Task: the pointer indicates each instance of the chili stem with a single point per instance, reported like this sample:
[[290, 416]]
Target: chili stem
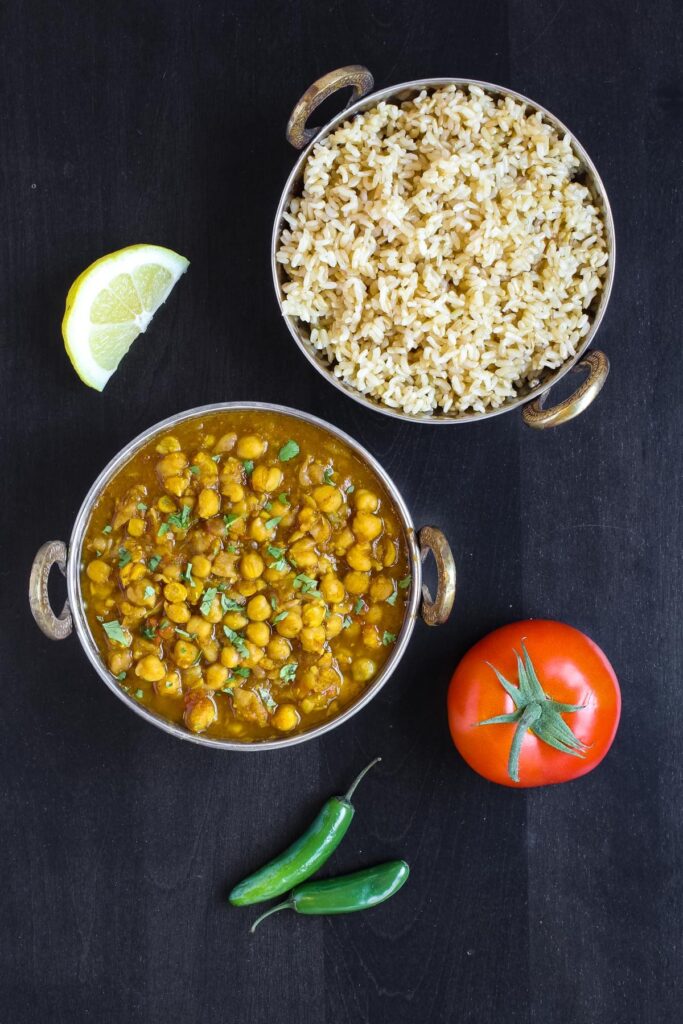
[[287, 905], [352, 788]]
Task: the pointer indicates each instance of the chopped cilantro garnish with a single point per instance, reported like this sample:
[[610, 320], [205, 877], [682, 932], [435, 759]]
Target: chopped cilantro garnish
[[148, 632], [288, 672], [346, 621], [124, 557], [114, 631], [327, 475], [283, 498], [163, 530], [266, 697], [242, 671], [229, 690], [272, 523], [154, 562], [248, 466], [275, 552], [168, 684], [231, 518], [237, 641], [106, 529], [273, 602], [183, 632], [139, 694], [228, 605], [232, 548], [281, 565], [195, 470], [268, 506], [289, 450], [141, 507], [180, 519], [280, 616], [216, 458], [305, 584], [388, 638], [187, 575], [358, 606], [405, 582], [350, 489], [149, 592], [121, 676], [207, 600], [392, 597]]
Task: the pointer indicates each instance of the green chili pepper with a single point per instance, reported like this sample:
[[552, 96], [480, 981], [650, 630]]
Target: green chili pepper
[[303, 857], [343, 895]]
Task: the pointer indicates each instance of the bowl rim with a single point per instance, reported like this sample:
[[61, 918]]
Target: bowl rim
[[317, 360], [77, 603]]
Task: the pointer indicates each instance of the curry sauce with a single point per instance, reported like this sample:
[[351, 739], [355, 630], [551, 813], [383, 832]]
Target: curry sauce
[[245, 574]]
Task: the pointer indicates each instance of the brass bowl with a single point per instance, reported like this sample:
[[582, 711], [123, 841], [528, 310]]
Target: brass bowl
[[360, 80], [57, 627]]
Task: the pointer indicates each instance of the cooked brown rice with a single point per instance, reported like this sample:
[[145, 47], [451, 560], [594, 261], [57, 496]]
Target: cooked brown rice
[[442, 252]]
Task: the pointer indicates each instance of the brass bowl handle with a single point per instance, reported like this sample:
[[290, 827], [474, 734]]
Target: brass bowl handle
[[354, 75], [534, 415], [56, 627], [435, 612]]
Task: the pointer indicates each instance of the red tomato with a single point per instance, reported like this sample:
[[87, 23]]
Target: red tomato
[[545, 733]]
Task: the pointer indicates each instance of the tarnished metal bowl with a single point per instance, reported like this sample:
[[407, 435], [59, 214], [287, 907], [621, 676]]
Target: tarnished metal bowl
[[360, 80], [72, 617]]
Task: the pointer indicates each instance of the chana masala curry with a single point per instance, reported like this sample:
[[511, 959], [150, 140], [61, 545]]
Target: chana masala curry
[[245, 574]]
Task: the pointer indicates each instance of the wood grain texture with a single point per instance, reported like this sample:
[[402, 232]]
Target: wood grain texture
[[164, 121]]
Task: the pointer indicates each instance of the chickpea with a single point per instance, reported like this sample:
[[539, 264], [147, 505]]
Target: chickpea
[[136, 527], [251, 565], [332, 589], [250, 447], [257, 530], [171, 465], [216, 676], [313, 614], [208, 503], [169, 686], [381, 588], [374, 615], [321, 531], [177, 484], [279, 648], [313, 638], [208, 470], [192, 677], [235, 620], [168, 444], [304, 554], [343, 541], [225, 443], [223, 564], [142, 593], [327, 498], [232, 490], [247, 588], [201, 566], [290, 626], [266, 478], [120, 661], [366, 526], [199, 626], [363, 669], [215, 612], [165, 504], [258, 633], [371, 637], [98, 571], [366, 501], [285, 718], [178, 613], [254, 656], [229, 657], [360, 557], [334, 625], [258, 609], [357, 582], [132, 572], [101, 589], [200, 715], [150, 668], [175, 592], [185, 653]]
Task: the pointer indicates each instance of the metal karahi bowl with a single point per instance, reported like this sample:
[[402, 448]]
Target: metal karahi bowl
[[361, 81], [72, 617]]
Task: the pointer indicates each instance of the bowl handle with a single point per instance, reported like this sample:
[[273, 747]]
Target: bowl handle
[[534, 415], [437, 611], [353, 75], [56, 627]]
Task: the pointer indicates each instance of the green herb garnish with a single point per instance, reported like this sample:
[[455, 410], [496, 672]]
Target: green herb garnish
[[359, 606], [272, 523], [327, 475], [248, 466], [281, 565], [180, 519], [163, 530], [237, 641], [114, 631], [216, 458], [275, 552], [388, 638], [242, 671], [121, 676], [392, 597], [231, 518], [268, 506], [232, 548], [187, 575], [289, 450], [273, 602], [306, 584], [106, 529], [183, 632], [141, 507], [405, 582], [207, 600], [350, 489], [280, 616], [148, 632], [124, 557], [283, 498], [347, 621], [154, 562], [266, 697], [228, 605], [195, 470], [229, 690], [139, 694], [149, 592], [288, 672]]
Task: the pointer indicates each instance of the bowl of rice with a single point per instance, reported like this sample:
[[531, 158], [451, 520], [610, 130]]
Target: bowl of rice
[[443, 250]]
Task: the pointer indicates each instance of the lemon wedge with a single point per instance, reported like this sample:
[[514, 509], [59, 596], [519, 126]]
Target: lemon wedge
[[112, 302]]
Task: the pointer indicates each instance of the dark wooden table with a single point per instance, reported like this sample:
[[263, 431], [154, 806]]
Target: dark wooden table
[[164, 122]]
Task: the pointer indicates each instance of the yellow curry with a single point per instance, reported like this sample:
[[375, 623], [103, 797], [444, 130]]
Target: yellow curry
[[246, 575]]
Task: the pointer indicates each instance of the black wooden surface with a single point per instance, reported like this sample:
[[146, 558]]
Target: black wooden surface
[[164, 122]]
